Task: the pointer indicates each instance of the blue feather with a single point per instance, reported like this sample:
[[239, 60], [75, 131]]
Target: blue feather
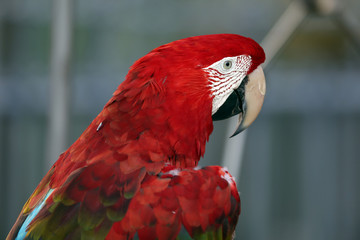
[[23, 230]]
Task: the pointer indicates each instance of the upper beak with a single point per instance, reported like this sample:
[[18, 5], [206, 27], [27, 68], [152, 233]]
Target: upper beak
[[246, 101]]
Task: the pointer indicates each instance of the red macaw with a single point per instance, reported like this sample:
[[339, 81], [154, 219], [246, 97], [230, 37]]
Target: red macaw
[[133, 173]]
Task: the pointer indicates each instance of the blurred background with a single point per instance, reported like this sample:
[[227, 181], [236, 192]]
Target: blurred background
[[297, 166]]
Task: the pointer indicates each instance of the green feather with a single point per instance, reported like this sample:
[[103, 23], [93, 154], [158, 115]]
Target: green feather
[[89, 220], [115, 215], [183, 235]]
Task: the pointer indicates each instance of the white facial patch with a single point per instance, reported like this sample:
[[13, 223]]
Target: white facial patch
[[225, 76]]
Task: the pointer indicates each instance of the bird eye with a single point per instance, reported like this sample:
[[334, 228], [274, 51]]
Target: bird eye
[[227, 64]]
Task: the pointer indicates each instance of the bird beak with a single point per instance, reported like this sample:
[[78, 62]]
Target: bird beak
[[255, 90], [246, 101]]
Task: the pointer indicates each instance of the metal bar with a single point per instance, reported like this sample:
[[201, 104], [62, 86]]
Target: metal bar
[[283, 29], [59, 79], [3, 8], [349, 23], [273, 42]]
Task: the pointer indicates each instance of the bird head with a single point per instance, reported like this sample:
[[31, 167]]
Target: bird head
[[224, 67], [237, 82]]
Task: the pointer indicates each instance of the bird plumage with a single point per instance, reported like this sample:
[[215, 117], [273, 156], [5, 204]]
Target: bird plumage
[[133, 172]]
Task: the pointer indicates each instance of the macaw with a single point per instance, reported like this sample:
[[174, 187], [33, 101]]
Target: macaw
[[133, 173]]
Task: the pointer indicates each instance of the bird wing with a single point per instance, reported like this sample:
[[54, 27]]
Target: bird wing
[[182, 204]]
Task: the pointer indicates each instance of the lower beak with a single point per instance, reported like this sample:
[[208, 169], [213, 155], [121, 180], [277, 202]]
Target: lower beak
[[246, 101]]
